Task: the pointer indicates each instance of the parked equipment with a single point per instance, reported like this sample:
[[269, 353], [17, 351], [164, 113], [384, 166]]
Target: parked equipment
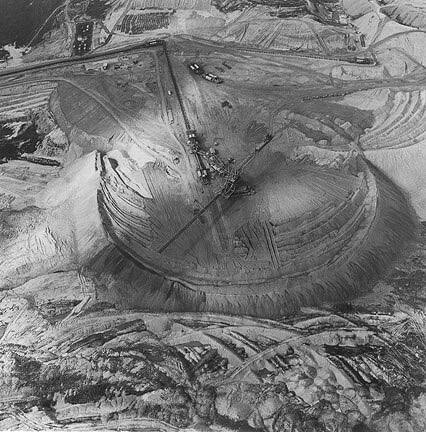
[[213, 78], [198, 70], [194, 146], [364, 60]]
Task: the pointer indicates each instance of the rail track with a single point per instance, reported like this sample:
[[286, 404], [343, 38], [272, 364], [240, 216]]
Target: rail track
[[143, 45], [52, 64], [349, 58]]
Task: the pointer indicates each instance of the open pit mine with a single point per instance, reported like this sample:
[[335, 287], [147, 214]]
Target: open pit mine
[[212, 217]]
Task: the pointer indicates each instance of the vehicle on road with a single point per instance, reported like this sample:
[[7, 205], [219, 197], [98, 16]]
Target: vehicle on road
[[364, 60], [198, 70], [155, 42]]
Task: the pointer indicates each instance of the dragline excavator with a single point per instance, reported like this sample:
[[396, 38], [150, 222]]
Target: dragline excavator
[[232, 186]]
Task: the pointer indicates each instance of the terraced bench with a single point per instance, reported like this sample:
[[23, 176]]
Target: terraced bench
[[296, 228], [405, 124], [329, 232], [323, 224]]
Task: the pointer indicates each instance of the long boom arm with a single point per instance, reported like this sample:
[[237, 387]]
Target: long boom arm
[[189, 223], [223, 192]]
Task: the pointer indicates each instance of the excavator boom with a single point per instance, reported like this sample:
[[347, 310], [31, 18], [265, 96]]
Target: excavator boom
[[226, 192]]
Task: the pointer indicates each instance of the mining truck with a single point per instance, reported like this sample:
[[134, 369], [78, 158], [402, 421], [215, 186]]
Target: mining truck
[[212, 78], [155, 42], [196, 68], [364, 60]]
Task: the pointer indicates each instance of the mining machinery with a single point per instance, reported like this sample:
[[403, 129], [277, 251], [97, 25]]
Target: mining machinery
[[198, 70], [209, 163], [232, 186], [213, 78], [194, 147], [364, 60]]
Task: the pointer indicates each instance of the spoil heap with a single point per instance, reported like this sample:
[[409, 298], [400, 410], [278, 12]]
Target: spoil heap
[[327, 238]]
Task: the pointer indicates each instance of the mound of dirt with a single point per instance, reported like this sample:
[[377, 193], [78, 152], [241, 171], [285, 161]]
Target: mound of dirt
[[58, 233], [257, 255]]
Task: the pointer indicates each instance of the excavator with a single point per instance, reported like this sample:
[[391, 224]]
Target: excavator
[[232, 186]]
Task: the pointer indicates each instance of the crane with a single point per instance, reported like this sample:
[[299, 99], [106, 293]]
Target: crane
[[226, 191]]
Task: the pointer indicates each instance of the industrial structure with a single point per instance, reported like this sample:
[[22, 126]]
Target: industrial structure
[[83, 37], [231, 186]]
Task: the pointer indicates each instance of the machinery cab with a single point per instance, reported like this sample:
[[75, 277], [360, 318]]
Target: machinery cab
[[192, 139], [190, 133], [203, 175], [363, 60]]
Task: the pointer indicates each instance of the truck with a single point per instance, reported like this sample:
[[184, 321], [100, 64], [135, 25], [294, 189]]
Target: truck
[[196, 68], [155, 42], [364, 60], [203, 175], [212, 78]]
